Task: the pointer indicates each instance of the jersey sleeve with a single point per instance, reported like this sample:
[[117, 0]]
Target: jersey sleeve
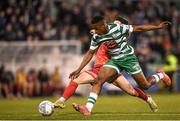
[[93, 44], [124, 29]]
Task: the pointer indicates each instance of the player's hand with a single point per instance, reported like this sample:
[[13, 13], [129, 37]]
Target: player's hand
[[164, 24], [74, 74]]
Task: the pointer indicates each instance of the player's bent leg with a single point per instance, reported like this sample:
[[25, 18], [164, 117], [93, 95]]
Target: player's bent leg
[[123, 84], [141, 80], [146, 83], [83, 78], [104, 74]]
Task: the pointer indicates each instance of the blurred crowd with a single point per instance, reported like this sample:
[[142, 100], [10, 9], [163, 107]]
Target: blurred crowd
[[39, 20], [31, 83], [36, 20]]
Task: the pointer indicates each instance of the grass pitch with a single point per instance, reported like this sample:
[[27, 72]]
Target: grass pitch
[[106, 108]]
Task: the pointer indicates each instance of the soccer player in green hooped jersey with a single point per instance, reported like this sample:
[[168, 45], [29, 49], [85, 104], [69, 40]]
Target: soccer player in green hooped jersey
[[122, 57]]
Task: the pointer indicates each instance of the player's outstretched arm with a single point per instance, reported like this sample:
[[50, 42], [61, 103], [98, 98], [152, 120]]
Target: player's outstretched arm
[[141, 28], [87, 57]]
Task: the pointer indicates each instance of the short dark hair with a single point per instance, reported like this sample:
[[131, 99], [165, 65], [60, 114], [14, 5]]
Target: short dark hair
[[121, 19], [97, 19]]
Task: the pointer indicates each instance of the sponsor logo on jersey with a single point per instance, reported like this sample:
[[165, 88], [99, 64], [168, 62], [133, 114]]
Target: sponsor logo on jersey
[[110, 44]]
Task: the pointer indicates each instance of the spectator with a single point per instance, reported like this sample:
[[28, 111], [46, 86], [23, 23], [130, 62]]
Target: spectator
[[43, 77], [6, 82], [11, 79], [3, 81], [31, 82], [170, 66], [9, 34], [21, 82], [56, 82]]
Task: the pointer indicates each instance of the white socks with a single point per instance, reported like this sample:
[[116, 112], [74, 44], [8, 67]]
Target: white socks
[[91, 101], [158, 77], [149, 99], [62, 99]]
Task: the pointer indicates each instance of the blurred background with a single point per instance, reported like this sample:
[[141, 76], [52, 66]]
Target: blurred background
[[42, 41]]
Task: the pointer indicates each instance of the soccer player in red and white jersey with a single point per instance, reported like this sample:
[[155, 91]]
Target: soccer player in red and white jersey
[[88, 77]]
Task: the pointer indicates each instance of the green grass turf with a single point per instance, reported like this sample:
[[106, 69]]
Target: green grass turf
[[107, 107]]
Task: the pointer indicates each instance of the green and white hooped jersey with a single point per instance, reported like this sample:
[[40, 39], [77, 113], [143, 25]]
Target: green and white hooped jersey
[[116, 40]]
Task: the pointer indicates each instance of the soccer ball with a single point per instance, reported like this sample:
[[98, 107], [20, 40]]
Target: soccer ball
[[46, 108]]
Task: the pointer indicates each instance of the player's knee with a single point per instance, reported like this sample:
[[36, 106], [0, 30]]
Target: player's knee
[[96, 82], [100, 80]]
